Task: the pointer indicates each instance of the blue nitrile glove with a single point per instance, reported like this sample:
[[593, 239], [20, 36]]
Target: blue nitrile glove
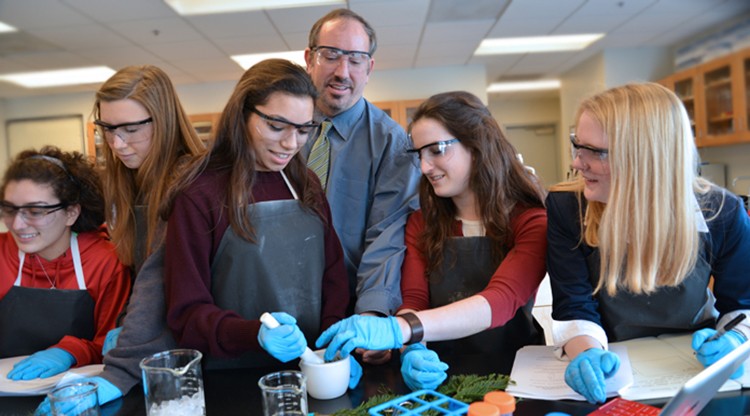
[[110, 341], [355, 372], [587, 372], [709, 352], [42, 364], [105, 393], [286, 342], [357, 331], [422, 368]]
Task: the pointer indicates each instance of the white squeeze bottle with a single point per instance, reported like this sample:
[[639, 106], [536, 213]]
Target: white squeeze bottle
[[268, 320]]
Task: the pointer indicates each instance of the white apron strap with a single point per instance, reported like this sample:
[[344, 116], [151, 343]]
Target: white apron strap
[[76, 263]]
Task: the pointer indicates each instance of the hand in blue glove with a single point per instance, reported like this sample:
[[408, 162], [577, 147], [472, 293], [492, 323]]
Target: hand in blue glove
[[587, 372], [285, 342], [105, 393], [42, 364], [110, 341], [422, 368], [708, 352], [369, 332], [355, 372]]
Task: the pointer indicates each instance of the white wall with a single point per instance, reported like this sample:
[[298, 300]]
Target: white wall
[[583, 80], [737, 159], [608, 69], [423, 82], [626, 65], [520, 112]]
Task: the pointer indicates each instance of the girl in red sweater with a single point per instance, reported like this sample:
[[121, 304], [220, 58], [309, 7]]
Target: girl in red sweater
[[475, 251], [62, 285]]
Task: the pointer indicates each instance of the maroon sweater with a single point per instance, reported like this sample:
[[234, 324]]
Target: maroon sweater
[[195, 229]]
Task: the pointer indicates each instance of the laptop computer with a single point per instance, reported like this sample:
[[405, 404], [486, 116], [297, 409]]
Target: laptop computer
[[699, 390]]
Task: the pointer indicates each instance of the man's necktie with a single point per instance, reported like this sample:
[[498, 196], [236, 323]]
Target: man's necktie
[[321, 154]]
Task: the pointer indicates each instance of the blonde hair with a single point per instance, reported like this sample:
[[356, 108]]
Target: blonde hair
[[646, 232]]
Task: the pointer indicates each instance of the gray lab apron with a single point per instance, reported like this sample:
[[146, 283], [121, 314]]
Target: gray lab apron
[[282, 272], [33, 319], [467, 269], [683, 308]]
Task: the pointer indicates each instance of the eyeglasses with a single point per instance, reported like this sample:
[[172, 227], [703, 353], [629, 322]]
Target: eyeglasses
[[31, 214], [127, 132], [586, 152], [432, 151], [278, 125], [328, 55]]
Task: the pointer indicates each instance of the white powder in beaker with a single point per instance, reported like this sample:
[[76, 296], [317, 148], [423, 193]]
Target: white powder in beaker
[[193, 405]]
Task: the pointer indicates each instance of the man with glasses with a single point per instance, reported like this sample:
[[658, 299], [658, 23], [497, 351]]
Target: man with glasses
[[369, 178]]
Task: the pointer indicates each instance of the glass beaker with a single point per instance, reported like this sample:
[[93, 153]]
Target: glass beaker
[[74, 399], [284, 393], [173, 383]]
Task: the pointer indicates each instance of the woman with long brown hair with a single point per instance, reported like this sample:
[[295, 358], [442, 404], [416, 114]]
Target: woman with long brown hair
[[250, 230], [474, 251]]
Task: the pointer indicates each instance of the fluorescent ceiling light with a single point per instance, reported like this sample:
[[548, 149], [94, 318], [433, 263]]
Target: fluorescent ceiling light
[[7, 28], [499, 46], [188, 7], [548, 84], [246, 61], [75, 76]]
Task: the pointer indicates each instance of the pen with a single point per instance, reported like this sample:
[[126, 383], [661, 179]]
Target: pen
[[726, 328]]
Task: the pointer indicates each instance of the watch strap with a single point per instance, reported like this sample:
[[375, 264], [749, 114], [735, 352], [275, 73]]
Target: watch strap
[[417, 330]]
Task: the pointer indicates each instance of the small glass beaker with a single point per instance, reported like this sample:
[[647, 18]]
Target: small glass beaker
[[74, 399], [284, 393], [173, 383]]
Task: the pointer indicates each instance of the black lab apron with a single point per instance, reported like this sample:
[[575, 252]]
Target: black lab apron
[[683, 308], [467, 268], [33, 319], [281, 272]]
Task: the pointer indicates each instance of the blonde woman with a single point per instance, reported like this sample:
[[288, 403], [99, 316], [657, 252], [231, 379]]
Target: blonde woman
[[634, 239]]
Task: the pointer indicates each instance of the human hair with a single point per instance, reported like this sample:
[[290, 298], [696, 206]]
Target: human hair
[[646, 232], [173, 142], [232, 148], [497, 178], [72, 177], [342, 14]]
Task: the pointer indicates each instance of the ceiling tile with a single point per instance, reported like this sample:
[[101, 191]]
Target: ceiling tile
[[251, 44], [388, 13], [298, 19], [82, 37], [455, 52], [120, 10], [154, 31], [122, 57], [470, 31], [186, 50], [117, 33], [27, 14], [233, 25], [511, 28], [541, 9], [396, 35], [54, 60]]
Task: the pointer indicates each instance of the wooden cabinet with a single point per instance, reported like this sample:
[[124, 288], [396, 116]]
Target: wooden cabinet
[[716, 95], [204, 125], [400, 111]]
